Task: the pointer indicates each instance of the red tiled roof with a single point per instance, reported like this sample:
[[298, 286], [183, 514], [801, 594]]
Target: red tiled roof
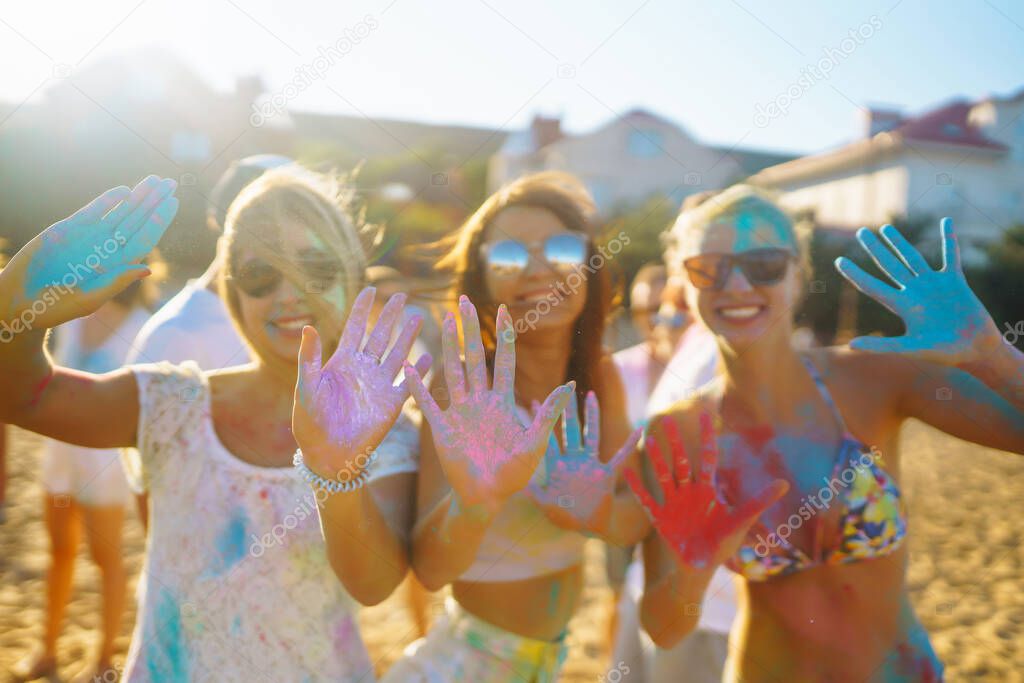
[[946, 125]]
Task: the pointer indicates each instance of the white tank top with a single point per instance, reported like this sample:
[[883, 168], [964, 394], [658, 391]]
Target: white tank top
[[522, 542]]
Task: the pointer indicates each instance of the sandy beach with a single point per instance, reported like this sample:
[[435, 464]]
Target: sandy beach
[[966, 573]]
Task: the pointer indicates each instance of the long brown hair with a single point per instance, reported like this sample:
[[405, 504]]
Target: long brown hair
[[565, 197]]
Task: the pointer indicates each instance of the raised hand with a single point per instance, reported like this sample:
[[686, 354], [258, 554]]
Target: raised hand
[[486, 453], [696, 524], [74, 266], [945, 322], [577, 490], [343, 410]]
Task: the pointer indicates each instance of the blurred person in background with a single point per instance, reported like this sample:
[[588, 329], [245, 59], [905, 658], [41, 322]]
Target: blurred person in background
[[194, 324], [85, 488], [691, 365], [640, 367]]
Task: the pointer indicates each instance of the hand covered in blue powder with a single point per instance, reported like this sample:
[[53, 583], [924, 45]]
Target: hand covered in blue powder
[[74, 266], [945, 322], [577, 488]]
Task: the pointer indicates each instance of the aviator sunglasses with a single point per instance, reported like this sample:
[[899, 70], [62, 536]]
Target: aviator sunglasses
[[759, 266], [257, 278], [563, 251]]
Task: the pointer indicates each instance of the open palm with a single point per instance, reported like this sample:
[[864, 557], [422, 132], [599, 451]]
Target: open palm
[[945, 322], [696, 524], [343, 409], [75, 265], [485, 451], [577, 490]]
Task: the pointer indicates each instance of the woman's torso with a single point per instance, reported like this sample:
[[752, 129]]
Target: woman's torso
[[236, 579], [837, 618], [527, 576]]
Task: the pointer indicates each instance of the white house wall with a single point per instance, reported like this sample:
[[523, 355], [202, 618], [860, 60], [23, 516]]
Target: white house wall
[[851, 197], [628, 161]]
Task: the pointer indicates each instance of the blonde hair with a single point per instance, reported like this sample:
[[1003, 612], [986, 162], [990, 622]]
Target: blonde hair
[[289, 196], [706, 208]]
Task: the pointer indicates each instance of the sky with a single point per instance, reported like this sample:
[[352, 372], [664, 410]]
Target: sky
[[775, 75]]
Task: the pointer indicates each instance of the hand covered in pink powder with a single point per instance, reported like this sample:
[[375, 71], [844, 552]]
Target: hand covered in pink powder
[[486, 453], [578, 488], [701, 529], [343, 409]]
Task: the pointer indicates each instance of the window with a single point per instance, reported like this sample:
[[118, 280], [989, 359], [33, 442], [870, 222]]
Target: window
[[645, 144]]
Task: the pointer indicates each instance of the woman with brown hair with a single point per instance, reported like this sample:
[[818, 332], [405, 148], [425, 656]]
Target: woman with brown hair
[[500, 517]]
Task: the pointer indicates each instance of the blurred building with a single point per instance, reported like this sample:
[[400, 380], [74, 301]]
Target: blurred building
[[626, 161], [961, 159]]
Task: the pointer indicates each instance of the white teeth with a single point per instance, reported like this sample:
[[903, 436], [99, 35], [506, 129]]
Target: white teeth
[[740, 312], [294, 324]]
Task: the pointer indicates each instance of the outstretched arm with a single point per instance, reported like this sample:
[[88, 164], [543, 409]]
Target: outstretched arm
[[960, 376], [68, 271], [697, 531]]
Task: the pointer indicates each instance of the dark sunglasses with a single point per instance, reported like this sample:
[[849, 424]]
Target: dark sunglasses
[[257, 278], [511, 257], [759, 266]]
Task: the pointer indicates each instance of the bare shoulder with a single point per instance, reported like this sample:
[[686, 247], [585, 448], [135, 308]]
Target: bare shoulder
[[229, 386], [610, 379]]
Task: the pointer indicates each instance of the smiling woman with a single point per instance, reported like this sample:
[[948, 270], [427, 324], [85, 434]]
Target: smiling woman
[[218, 599], [829, 600], [502, 515]]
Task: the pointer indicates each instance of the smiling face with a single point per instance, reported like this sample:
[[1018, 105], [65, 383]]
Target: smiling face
[[743, 312], [277, 305], [542, 294], [292, 258]]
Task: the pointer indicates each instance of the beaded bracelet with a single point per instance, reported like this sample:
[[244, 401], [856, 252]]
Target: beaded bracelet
[[332, 485]]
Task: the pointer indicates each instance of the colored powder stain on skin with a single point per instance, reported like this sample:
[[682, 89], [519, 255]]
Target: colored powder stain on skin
[[166, 654], [236, 626], [556, 589]]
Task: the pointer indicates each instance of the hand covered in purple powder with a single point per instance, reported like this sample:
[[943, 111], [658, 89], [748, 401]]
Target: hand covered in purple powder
[[343, 409]]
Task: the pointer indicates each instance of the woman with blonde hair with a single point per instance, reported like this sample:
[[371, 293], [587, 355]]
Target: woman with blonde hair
[[787, 468], [238, 582], [502, 511]]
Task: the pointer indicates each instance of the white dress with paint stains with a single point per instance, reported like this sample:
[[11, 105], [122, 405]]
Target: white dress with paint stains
[[236, 584]]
